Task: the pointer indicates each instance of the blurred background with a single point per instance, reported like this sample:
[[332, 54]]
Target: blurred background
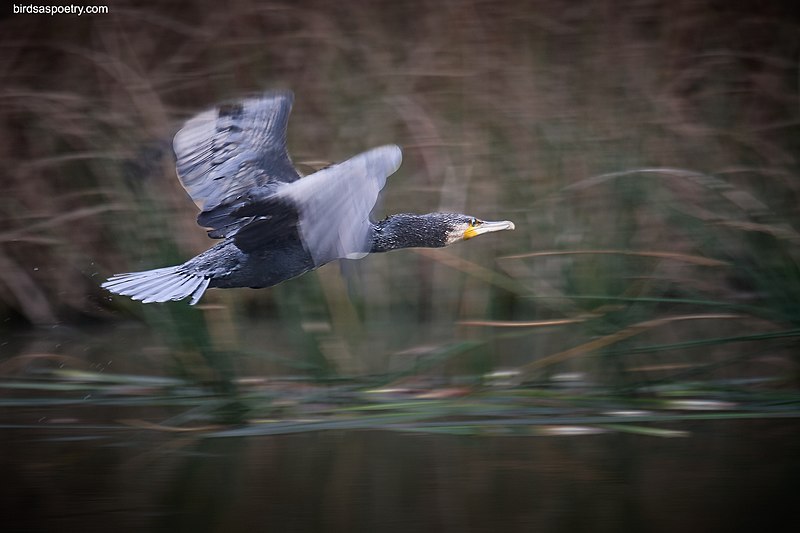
[[647, 152]]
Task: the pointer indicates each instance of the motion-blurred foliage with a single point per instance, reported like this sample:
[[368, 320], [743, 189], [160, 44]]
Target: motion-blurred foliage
[[649, 148]]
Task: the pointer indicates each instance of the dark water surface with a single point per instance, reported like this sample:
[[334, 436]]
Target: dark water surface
[[725, 476]]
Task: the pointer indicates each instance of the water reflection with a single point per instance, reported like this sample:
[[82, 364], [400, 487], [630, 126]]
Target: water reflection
[[732, 476]]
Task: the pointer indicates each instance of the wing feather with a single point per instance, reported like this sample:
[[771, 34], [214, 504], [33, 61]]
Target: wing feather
[[231, 151], [334, 204]]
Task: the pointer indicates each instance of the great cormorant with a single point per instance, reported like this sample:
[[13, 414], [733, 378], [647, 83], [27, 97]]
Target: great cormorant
[[274, 226]]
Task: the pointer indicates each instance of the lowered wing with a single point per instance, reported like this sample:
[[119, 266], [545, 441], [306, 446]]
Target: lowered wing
[[330, 209]]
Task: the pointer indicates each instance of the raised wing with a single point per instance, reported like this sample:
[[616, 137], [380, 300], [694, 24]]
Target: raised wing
[[334, 204], [233, 151]]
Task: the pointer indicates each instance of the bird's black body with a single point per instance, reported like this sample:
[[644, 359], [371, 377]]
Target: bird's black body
[[228, 266], [233, 162]]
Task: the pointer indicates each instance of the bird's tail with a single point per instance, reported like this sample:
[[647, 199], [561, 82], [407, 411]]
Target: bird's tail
[[159, 285]]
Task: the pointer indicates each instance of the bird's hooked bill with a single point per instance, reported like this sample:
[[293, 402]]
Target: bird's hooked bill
[[479, 227]]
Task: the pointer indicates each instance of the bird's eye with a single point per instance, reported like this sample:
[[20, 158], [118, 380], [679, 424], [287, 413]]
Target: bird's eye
[[474, 222]]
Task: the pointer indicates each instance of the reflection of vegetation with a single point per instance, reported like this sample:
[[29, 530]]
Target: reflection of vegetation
[[577, 124], [500, 407]]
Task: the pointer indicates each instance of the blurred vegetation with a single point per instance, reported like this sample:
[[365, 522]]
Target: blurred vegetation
[[647, 152]]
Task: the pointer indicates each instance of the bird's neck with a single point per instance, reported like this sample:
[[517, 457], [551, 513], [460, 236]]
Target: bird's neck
[[405, 231]]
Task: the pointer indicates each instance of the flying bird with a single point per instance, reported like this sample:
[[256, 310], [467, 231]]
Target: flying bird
[[274, 225]]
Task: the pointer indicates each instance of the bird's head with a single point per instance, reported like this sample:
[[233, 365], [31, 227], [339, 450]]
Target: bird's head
[[462, 227], [433, 230]]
